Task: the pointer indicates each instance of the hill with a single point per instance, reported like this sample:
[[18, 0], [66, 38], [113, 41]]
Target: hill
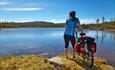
[[106, 25], [29, 24]]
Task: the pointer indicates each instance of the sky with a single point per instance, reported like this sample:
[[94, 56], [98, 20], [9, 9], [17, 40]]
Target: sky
[[56, 10]]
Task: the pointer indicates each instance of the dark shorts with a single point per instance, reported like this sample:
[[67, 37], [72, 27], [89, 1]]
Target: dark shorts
[[68, 38]]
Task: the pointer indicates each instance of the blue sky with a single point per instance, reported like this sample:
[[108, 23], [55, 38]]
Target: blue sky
[[55, 10]]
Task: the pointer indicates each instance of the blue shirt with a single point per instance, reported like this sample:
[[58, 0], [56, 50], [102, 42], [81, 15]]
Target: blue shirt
[[70, 26]]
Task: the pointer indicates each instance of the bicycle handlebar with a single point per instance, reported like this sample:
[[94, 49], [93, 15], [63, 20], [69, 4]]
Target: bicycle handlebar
[[82, 34]]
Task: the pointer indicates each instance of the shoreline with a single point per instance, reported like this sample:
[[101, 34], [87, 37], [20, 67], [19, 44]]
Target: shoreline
[[58, 62], [111, 30]]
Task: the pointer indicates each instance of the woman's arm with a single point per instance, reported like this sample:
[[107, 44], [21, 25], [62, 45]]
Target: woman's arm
[[79, 26]]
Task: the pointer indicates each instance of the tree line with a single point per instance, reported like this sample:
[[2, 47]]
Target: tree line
[[99, 25]]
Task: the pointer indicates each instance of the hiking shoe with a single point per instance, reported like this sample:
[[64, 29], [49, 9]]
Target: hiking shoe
[[66, 57], [73, 57]]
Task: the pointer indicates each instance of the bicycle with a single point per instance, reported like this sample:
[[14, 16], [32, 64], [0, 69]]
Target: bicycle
[[86, 46]]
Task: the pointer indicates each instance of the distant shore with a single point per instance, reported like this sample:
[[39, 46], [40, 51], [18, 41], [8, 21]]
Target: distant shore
[[110, 30], [100, 26]]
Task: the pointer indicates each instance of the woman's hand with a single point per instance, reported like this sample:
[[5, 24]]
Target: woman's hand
[[80, 28]]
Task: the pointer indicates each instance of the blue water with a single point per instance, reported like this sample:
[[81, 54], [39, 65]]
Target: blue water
[[16, 41]]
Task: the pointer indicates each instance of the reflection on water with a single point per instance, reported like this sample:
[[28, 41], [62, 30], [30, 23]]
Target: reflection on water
[[105, 37], [49, 41], [106, 45]]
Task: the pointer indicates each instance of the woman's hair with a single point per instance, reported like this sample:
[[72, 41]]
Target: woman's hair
[[72, 13]]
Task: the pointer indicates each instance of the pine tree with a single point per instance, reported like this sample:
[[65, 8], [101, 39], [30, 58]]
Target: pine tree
[[103, 20], [97, 22]]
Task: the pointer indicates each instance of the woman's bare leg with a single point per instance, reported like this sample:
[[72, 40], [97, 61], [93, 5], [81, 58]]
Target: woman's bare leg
[[65, 52]]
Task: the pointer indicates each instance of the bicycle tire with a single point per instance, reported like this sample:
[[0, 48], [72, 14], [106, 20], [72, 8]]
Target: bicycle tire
[[89, 59]]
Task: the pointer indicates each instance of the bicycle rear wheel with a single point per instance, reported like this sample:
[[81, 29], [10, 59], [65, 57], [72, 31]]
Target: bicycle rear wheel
[[89, 59]]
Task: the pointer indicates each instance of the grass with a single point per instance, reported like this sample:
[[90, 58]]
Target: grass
[[36, 62], [79, 64], [25, 62]]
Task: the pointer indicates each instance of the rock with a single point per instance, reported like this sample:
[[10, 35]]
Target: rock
[[43, 54], [56, 60]]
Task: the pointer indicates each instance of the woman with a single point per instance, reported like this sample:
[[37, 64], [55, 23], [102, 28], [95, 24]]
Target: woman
[[71, 23]]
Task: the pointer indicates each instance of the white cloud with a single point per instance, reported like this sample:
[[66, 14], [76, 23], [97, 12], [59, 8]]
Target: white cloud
[[2, 20], [21, 21], [30, 20], [25, 4], [55, 20], [87, 21], [20, 9], [5, 3], [24, 20], [17, 4]]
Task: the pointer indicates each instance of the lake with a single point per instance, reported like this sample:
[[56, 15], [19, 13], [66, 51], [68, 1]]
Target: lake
[[49, 41]]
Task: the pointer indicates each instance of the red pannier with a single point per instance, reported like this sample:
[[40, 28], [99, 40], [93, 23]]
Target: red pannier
[[93, 47], [80, 49]]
